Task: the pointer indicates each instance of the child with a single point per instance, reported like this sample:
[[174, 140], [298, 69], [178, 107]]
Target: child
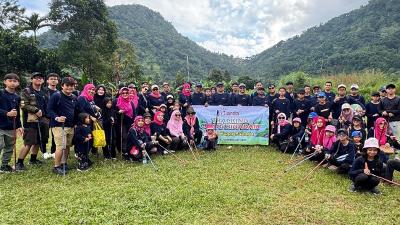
[[357, 137], [210, 138], [108, 114], [308, 128], [9, 113], [296, 135], [323, 108], [191, 127], [341, 155], [83, 141], [327, 143], [139, 140], [357, 125], [317, 134], [371, 109], [282, 132], [365, 165]]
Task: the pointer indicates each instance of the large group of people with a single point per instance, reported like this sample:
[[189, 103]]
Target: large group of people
[[339, 130]]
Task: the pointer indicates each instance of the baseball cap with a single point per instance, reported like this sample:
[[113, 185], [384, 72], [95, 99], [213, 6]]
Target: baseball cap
[[341, 86], [220, 84], [37, 74], [390, 86], [154, 86], [242, 85], [199, 85], [354, 86], [342, 131], [321, 95]]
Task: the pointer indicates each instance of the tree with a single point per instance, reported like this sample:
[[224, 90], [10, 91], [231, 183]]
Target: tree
[[179, 79], [248, 81], [32, 23], [10, 11], [125, 63], [91, 35]]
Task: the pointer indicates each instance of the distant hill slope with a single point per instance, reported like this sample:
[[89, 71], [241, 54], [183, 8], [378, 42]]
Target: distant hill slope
[[368, 37]]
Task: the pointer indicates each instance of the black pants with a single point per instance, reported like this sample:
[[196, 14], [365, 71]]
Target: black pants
[[197, 137], [363, 181], [210, 144], [343, 168], [392, 165], [109, 149], [178, 144], [121, 147]]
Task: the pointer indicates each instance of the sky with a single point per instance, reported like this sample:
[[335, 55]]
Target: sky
[[241, 28]]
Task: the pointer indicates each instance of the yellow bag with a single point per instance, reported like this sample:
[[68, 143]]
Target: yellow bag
[[99, 136]]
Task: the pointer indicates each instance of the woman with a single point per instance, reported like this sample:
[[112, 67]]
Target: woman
[[134, 98], [365, 165], [175, 127], [282, 132], [139, 141], [155, 99], [386, 142], [346, 116], [185, 98], [85, 102], [159, 130], [123, 120], [191, 127], [99, 97]]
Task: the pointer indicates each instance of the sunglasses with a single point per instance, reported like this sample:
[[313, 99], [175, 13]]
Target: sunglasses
[[281, 118], [241, 87], [177, 115], [271, 88], [191, 113], [155, 89]]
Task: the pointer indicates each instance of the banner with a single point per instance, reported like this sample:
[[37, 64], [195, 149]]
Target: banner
[[237, 125]]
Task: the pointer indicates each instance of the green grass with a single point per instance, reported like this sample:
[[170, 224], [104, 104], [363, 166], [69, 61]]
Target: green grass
[[242, 185]]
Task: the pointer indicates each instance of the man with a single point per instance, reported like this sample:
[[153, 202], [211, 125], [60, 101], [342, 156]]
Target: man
[[143, 103], [166, 90], [330, 96], [339, 100], [62, 109], [314, 97], [260, 99], [371, 110], [242, 99], [52, 83], [355, 95], [302, 107], [281, 104], [235, 91], [258, 85], [198, 97], [10, 120], [382, 92], [36, 122], [307, 92], [289, 91], [220, 97], [389, 108]]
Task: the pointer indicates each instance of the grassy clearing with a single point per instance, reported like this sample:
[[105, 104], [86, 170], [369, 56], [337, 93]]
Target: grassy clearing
[[243, 185]]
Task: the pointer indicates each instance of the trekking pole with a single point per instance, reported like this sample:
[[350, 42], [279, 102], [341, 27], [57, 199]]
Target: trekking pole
[[122, 122], [111, 141], [191, 150], [291, 158], [40, 137], [287, 146], [381, 178], [64, 146], [300, 162], [15, 141], [179, 159], [315, 168], [151, 161]]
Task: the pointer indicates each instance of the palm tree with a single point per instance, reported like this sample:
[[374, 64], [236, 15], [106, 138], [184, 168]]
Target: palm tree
[[33, 23]]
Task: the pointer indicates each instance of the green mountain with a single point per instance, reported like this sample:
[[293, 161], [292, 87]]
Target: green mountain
[[365, 38], [160, 48]]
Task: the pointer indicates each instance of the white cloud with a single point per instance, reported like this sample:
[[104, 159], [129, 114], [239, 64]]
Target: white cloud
[[239, 27]]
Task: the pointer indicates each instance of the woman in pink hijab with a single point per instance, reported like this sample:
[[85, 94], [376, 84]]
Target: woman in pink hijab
[[86, 104], [185, 98], [124, 117], [175, 127]]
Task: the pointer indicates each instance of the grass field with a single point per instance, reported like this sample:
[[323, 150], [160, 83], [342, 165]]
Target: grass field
[[242, 185]]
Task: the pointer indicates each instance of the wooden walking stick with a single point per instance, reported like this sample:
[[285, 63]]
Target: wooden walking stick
[[381, 178], [15, 141], [170, 152], [315, 168]]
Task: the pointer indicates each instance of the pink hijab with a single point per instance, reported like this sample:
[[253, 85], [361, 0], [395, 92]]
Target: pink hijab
[[184, 91], [329, 141], [134, 97], [175, 124], [125, 103], [282, 123], [379, 133], [85, 92], [191, 122]]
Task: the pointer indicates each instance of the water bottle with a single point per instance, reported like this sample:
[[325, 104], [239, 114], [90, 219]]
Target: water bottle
[[144, 159]]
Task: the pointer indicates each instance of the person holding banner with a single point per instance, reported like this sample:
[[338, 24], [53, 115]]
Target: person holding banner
[[220, 97], [260, 99], [241, 98]]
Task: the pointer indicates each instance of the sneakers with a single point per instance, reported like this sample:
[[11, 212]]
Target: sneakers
[[352, 188], [6, 169], [53, 155], [332, 167], [35, 162], [82, 167], [46, 155], [59, 170], [375, 191], [19, 167]]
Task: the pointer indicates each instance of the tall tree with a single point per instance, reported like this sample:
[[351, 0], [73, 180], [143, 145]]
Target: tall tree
[[33, 23], [92, 36], [10, 11]]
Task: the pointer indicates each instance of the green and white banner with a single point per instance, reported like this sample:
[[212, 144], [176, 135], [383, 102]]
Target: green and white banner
[[236, 125]]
